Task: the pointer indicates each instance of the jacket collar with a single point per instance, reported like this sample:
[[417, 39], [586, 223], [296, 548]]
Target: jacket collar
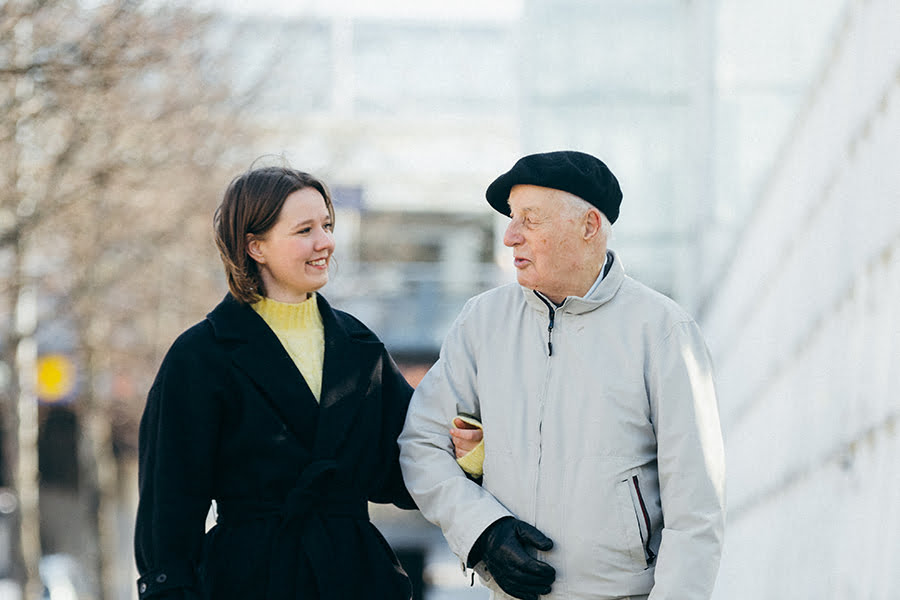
[[600, 296], [351, 355]]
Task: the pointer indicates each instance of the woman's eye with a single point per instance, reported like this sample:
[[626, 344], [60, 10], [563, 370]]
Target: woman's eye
[[329, 226], [304, 230]]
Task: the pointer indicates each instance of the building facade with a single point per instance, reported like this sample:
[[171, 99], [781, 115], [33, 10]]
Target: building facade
[[803, 325]]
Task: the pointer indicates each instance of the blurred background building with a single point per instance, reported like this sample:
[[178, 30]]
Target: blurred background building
[[756, 147]]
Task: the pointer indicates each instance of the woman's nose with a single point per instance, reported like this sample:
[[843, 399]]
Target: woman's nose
[[325, 240]]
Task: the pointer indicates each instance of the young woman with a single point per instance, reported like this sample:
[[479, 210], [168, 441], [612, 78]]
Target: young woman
[[280, 408]]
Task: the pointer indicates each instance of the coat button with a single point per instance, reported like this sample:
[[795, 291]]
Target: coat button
[[143, 588], [161, 578]]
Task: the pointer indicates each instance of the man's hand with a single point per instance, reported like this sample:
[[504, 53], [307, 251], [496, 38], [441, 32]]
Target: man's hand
[[504, 550], [465, 437]]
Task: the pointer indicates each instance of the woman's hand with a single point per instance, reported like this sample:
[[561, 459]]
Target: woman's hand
[[464, 437]]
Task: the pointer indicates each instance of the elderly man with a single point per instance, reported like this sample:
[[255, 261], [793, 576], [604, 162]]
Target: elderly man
[[603, 460]]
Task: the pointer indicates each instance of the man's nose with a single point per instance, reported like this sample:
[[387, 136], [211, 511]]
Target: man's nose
[[512, 236]]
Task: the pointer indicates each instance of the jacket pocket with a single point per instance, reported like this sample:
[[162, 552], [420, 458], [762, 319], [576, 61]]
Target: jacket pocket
[[629, 527], [643, 523], [598, 527]]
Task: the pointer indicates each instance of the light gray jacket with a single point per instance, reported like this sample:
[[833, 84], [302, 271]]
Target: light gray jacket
[[610, 445]]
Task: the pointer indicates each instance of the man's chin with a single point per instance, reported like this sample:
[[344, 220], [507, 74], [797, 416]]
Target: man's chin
[[525, 281]]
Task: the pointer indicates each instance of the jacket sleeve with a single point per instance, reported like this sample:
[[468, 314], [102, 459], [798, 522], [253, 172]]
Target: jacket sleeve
[[396, 393], [177, 446], [691, 465], [443, 492]]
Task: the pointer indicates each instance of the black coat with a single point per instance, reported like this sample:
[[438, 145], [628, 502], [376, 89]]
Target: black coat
[[230, 418]]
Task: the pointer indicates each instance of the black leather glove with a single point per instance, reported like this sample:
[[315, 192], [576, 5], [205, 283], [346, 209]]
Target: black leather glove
[[503, 547]]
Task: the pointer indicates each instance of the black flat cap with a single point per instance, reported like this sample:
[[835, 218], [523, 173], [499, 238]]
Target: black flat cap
[[575, 172]]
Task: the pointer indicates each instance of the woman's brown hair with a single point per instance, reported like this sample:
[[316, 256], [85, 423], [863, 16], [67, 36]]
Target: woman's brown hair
[[251, 205]]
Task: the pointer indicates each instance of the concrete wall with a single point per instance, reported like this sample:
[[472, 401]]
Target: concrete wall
[[804, 329]]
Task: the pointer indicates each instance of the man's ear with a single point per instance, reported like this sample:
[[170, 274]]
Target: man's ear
[[593, 223], [254, 250]]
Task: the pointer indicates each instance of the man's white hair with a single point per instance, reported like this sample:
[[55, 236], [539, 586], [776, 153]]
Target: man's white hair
[[576, 206]]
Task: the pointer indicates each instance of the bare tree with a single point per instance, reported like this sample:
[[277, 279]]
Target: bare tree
[[115, 134]]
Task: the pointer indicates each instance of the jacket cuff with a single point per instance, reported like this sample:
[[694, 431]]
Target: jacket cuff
[[473, 461], [158, 581]]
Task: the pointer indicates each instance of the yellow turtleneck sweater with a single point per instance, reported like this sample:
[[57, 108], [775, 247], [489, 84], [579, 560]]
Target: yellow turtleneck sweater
[[300, 330]]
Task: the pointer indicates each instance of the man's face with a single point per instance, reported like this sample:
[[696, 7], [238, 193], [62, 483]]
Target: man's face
[[547, 243]]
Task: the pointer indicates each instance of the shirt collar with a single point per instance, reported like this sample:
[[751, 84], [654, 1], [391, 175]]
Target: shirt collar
[[600, 277]]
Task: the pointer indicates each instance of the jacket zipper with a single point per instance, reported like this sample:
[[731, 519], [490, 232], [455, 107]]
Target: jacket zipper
[[646, 515], [552, 312], [543, 399]]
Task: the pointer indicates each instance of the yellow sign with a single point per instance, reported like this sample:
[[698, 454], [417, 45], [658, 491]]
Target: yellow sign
[[56, 377]]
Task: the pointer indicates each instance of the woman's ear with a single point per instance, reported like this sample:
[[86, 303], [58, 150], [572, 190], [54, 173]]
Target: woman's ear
[[254, 249]]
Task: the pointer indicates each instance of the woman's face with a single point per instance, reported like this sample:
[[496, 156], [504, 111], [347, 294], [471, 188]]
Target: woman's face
[[293, 255]]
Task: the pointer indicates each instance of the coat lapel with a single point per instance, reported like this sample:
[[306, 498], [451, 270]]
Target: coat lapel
[[257, 352], [352, 368]]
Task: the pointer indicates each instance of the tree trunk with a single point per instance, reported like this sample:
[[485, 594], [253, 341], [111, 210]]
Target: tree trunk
[[25, 472], [99, 474]]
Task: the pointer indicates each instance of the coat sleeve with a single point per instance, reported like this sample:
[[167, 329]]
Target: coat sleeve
[[691, 465], [396, 393], [177, 447], [443, 492]]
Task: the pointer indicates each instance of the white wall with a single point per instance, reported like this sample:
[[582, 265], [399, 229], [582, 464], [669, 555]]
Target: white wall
[[805, 332]]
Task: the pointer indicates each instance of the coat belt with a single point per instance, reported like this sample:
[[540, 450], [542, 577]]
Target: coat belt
[[301, 529]]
